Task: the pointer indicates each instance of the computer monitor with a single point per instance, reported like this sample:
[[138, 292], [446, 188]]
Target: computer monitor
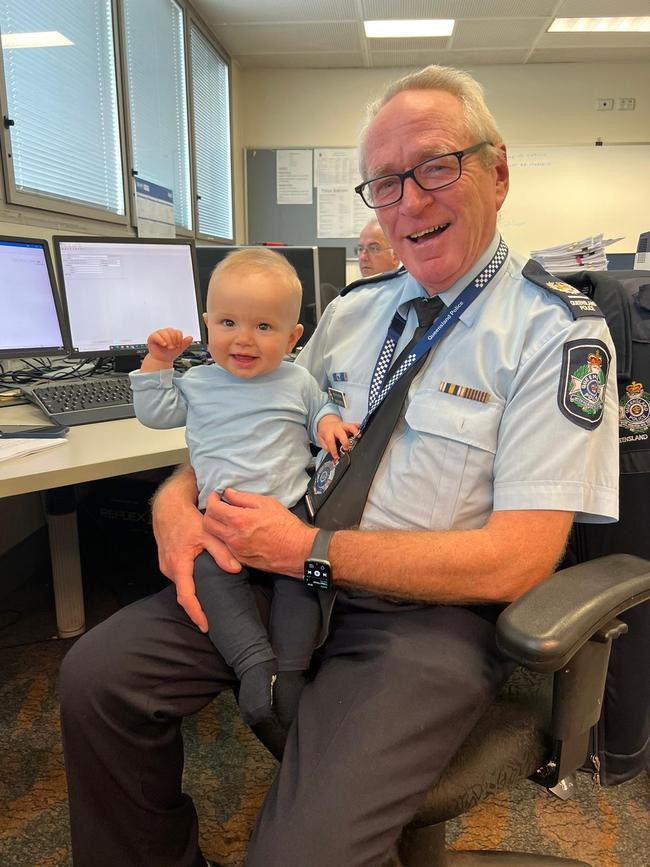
[[116, 291], [306, 261], [31, 321], [620, 261], [642, 258]]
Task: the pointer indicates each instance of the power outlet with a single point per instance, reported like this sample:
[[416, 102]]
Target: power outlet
[[625, 103], [604, 104]]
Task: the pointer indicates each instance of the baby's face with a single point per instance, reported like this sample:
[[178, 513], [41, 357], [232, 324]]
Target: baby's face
[[251, 321]]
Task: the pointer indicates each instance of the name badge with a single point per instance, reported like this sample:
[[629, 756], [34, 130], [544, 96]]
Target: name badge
[[337, 397]]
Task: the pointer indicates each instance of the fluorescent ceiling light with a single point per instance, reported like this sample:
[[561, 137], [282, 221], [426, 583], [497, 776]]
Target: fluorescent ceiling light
[[44, 39], [417, 27], [600, 25]]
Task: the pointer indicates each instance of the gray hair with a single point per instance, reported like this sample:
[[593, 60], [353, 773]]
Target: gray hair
[[479, 120]]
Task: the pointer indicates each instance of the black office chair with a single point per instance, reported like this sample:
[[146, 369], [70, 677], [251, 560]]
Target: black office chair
[[537, 728]]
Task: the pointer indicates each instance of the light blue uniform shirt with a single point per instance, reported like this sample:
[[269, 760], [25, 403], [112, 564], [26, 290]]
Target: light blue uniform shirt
[[452, 461], [249, 434]]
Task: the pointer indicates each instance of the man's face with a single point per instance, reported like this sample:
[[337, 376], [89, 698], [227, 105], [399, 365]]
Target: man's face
[[438, 235], [375, 254]]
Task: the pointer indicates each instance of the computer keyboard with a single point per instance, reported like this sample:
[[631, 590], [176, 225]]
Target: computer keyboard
[[97, 398]]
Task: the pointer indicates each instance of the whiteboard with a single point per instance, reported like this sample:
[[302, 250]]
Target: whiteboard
[[565, 193]]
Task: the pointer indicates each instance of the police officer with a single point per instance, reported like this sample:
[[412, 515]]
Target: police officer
[[508, 432], [374, 252]]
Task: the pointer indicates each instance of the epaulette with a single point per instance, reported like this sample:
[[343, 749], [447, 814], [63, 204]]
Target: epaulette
[[579, 305], [376, 278]]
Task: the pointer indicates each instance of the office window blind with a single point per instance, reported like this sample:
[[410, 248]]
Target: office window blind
[[211, 102], [63, 101], [158, 98]]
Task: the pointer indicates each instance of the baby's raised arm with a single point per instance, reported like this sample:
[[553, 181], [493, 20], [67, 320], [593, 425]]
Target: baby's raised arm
[[163, 347]]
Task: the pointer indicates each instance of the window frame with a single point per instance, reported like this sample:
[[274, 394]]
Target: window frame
[[59, 204], [181, 231], [196, 21], [44, 209]]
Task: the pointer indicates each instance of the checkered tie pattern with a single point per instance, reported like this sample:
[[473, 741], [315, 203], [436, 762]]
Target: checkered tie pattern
[[427, 309], [383, 363], [342, 502]]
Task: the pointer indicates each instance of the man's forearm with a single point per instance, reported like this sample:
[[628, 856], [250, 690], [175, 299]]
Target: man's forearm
[[497, 563]]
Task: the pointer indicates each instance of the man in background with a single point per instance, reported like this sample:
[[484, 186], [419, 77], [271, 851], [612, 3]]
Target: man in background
[[375, 253]]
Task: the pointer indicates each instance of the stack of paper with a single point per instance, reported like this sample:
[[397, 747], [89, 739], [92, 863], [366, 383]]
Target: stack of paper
[[19, 447], [585, 255]]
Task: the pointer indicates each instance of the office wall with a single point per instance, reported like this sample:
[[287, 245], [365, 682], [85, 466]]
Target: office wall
[[537, 104]]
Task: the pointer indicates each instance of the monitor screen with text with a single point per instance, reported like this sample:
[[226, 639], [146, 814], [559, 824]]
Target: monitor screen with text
[[117, 291]]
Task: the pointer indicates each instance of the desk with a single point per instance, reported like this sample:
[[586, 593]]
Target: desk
[[93, 451]]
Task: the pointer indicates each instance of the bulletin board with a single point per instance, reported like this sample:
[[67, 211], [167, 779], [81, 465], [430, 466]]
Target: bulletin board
[[294, 224]]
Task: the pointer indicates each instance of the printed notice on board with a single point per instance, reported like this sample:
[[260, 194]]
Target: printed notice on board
[[336, 167], [340, 212], [294, 180], [335, 218], [154, 207]]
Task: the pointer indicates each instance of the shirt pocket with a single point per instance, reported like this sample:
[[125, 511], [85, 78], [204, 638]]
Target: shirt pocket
[[453, 443]]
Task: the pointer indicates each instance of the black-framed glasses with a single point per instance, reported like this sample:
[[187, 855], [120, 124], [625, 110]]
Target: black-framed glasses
[[432, 174]]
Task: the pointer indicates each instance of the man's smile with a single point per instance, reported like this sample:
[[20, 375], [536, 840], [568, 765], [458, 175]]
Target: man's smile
[[425, 233]]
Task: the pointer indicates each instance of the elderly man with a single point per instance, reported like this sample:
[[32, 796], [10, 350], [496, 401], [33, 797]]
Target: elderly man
[[507, 433], [376, 256]]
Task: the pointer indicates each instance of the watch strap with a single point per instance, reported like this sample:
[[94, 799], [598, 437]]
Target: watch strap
[[321, 545]]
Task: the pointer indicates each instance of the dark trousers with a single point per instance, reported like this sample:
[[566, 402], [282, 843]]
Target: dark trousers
[[396, 691], [236, 628]]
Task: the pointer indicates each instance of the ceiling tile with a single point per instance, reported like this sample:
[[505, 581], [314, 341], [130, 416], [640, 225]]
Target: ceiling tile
[[379, 9], [426, 44], [313, 60], [497, 32], [589, 55], [259, 11], [602, 8], [267, 38], [419, 59], [594, 40]]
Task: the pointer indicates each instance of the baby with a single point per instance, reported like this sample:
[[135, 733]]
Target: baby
[[249, 419]]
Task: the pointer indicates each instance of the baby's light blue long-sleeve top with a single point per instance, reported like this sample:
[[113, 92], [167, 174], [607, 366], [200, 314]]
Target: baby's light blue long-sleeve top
[[249, 434]]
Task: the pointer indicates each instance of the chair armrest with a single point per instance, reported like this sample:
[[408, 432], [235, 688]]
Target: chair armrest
[[545, 627]]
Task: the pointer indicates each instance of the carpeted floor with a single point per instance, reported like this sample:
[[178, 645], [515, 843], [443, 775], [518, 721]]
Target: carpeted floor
[[228, 772]]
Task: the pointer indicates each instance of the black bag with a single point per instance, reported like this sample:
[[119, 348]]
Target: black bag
[[620, 742]]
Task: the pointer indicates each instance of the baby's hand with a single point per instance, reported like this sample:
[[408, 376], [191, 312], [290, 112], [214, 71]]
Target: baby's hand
[[166, 344], [332, 431]]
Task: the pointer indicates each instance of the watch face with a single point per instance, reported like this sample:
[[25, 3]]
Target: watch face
[[318, 574]]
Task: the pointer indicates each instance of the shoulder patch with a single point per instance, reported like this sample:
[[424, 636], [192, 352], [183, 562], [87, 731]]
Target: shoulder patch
[[579, 305], [376, 278], [581, 395]]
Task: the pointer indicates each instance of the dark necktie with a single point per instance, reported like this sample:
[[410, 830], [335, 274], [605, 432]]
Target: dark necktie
[[344, 502]]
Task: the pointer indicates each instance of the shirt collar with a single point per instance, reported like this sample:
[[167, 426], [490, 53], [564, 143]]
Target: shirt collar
[[449, 295]]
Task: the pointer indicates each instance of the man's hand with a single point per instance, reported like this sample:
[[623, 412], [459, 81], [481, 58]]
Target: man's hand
[[259, 532], [178, 529], [332, 431]]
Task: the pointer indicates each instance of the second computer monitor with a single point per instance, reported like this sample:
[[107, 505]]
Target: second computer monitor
[[116, 291], [31, 321]]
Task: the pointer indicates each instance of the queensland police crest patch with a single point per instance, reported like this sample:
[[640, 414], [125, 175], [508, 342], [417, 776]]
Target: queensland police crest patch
[[585, 367], [634, 409]]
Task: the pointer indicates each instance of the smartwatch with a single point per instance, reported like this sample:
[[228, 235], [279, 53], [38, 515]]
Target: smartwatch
[[318, 569]]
